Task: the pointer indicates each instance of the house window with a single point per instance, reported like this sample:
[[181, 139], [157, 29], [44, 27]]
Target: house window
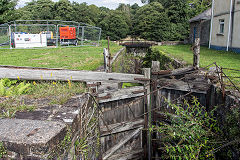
[[221, 24]]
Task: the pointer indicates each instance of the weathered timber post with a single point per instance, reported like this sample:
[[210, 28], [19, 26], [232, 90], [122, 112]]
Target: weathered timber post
[[155, 68], [222, 84], [147, 74], [109, 57], [93, 87], [106, 60], [196, 53]]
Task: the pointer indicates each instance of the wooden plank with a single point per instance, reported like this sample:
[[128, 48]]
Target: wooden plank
[[119, 127], [108, 96], [162, 72], [139, 91], [133, 154], [177, 72], [123, 93], [26, 73], [124, 140], [142, 79], [179, 85], [92, 84]]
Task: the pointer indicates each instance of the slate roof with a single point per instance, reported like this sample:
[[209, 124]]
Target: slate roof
[[206, 15]]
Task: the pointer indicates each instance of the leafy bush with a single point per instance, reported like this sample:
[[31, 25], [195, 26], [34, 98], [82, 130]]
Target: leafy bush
[[156, 55], [12, 87], [189, 134]]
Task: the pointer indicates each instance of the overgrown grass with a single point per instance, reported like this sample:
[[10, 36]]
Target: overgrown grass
[[207, 56], [12, 105], [57, 92], [80, 58], [53, 92]]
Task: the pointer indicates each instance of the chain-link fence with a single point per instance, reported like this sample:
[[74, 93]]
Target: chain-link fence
[[47, 34]]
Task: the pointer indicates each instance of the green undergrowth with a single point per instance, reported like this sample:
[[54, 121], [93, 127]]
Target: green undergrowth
[[10, 88], [59, 92], [158, 55], [126, 85], [128, 63], [190, 132], [12, 105], [14, 92]]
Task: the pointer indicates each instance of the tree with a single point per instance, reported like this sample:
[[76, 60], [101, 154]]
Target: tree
[[198, 6], [63, 10], [7, 10], [45, 9], [37, 10], [179, 15], [115, 25], [134, 8], [152, 23], [179, 12]]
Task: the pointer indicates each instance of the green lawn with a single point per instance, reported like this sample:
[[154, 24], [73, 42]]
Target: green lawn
[[81, 58], [207, 56]]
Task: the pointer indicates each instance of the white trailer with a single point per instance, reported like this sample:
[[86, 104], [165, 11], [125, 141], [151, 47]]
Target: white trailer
[[30, 40]]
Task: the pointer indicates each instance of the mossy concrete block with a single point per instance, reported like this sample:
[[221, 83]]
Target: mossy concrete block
[[31, 138]]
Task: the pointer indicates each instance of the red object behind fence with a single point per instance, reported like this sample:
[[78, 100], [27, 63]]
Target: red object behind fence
[[67, 32]]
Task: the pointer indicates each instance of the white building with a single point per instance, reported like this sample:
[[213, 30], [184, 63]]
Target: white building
[[225, 25]]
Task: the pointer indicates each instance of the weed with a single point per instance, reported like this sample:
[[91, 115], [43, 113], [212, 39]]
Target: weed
[[9, 107], [58, 92], [10, 88], [3, 151], [188, 133]]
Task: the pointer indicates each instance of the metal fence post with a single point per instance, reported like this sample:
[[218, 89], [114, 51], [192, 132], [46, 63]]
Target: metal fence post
[[57, 38], [47, 27], [99, 38], [15, 30], [83, 28], [10, 36], [78, 30]]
